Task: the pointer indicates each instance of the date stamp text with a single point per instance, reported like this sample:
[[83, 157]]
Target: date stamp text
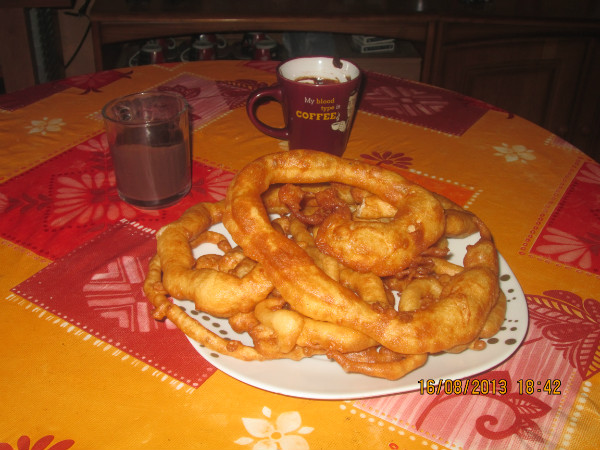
[[477, 386]]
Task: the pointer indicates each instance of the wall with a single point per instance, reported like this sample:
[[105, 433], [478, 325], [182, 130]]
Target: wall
[[72, 31]]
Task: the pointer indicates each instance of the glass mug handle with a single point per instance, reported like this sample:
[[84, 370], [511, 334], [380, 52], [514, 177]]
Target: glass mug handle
[[271, 92]]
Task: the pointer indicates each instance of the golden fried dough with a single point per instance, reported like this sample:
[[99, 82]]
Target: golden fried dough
[[317, 278]]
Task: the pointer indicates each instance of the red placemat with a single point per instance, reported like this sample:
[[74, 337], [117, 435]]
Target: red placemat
[[71, 198], [420, 104], [571, 235], [542, 382], [98, 287]]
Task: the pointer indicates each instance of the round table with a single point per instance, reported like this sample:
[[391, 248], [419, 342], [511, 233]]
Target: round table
[[84, 365]]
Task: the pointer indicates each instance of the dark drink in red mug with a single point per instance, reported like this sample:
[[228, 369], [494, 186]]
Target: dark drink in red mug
[[318, 97]]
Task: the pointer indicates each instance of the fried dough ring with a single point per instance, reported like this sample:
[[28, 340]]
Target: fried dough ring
[[459, 223], [213, 291], [419, 293], [327, 201], [496, 318], [457, 318], [218, 293], [292, 329], [379, 362], [343, 313], [157, 295], [367, 285], [382, 250], [305, 240]]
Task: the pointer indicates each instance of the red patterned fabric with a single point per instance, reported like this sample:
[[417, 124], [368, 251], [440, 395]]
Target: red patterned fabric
[[103, 295], [572, 325], [209, 99], [95, 81], [572, 234], [560, 345], [21, 99], [74, 196], [420, 104]]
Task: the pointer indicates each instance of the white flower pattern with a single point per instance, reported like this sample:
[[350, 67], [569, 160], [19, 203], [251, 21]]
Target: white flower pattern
[[590, 174], [569, 249], [87, 199], [98, 144], [514, 153], [277, 436], [3, 202], [45, 125]]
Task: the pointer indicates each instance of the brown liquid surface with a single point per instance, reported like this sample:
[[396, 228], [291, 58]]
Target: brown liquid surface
[[146, 175], [317, 80]]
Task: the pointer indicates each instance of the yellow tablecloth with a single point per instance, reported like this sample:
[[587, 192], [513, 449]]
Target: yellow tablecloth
[[83, 367]]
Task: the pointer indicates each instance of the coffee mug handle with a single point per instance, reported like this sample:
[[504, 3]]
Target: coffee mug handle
[[183, 57], [221, 41], [275, 93], [133, 60]]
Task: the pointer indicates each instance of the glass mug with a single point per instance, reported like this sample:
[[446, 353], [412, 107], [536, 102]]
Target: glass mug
[[148, 136]]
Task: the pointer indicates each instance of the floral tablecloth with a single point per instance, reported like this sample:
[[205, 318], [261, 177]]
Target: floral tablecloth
[[83, 365]]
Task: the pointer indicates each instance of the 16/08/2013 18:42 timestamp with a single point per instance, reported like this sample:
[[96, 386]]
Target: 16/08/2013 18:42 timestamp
[[478, 386]]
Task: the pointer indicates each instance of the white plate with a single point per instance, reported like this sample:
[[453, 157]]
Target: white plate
[[320, 378]]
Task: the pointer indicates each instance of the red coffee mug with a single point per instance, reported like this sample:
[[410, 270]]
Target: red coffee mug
[[318, 97], [150, 53], [200, 50], [265, 50], [249, 40]]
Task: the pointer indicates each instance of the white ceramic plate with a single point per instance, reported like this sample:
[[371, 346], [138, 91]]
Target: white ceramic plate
[[320, 378]]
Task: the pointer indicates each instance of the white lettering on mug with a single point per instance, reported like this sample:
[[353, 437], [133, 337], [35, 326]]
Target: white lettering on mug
[[325, 101]]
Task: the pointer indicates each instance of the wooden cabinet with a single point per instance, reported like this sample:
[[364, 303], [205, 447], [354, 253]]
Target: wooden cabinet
[[539, 60], [547, 76], [584, 131], [534, 78]]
